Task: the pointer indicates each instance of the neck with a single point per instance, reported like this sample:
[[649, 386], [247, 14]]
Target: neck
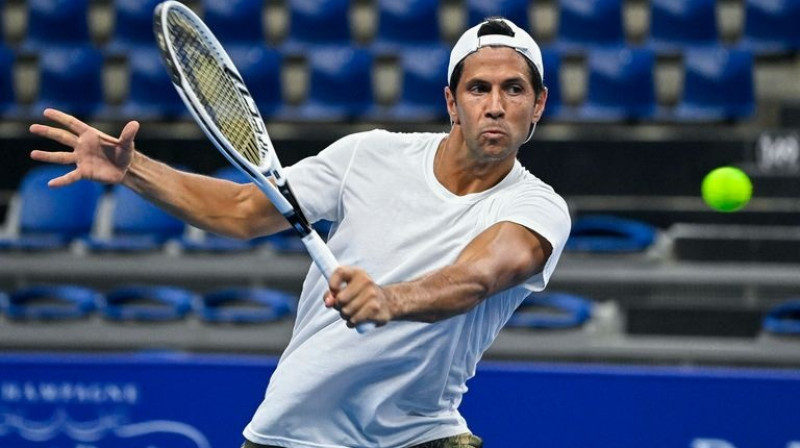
[[463, 172]]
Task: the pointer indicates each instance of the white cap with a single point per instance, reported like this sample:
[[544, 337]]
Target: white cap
[[469, 43]]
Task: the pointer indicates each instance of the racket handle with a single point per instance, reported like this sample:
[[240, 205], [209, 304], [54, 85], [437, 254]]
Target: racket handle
[[321, 254], [327, 263]]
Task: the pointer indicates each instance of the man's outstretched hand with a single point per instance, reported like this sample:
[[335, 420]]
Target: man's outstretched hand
[[97, 155]]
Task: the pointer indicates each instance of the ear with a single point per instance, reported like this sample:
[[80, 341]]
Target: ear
[[538, 107], [450, 99]]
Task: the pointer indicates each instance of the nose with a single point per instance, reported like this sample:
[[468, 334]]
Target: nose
[[494, 108]]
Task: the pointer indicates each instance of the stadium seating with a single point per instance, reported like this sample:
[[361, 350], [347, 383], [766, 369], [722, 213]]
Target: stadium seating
[[9, 107], [340, 85], [133, 26], [718, 85], [317, 22], [404, 23], [235, 22], [621, 85], [151, 95], [609, 234], [245, 305], [53, 23], [584, 24], [514, 10], [770, 26], [423, 73], [71, 79], [679, 24], [551, 311], [135, 225], [51, 302], [44, 218], [148, 303], [783, 319]]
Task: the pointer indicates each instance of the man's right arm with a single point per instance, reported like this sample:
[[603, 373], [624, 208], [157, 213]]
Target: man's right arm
[[216, 205], [221, 206]]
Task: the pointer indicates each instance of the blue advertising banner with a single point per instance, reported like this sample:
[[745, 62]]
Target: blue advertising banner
[[194, 401]]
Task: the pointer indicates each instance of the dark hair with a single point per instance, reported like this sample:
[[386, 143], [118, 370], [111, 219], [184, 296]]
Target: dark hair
[[495, 25]]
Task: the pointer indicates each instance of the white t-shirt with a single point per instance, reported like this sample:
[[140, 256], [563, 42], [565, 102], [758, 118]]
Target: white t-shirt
[[399, 384]]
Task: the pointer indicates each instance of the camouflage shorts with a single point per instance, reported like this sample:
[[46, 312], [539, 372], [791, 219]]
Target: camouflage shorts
[[466, 440]]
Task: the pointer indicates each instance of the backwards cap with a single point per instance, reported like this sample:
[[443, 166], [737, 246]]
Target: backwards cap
[[469, 43]]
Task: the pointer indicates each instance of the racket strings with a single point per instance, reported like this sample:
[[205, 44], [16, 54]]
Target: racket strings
[[219, 95]]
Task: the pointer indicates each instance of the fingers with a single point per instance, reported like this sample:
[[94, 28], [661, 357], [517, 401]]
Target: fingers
[[62, 136], [128, 134], [62, 158], [71, 177], [66, 120], [356, 296]]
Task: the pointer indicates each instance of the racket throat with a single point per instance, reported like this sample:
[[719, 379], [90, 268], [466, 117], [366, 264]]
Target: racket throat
[[296, 217]]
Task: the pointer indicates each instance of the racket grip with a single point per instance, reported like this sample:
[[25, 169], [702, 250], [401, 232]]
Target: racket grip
[[321, 254], [327, 263]]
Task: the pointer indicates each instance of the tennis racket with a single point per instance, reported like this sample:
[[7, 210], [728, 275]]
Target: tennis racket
[[215, 94]]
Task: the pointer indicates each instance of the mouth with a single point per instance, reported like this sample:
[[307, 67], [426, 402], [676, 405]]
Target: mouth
[[494, 133]]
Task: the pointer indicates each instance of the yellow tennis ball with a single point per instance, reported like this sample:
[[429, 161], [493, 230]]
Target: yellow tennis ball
[[727, 189]]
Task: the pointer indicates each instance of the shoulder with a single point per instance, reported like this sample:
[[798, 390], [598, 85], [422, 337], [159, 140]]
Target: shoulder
[[384, 137], [528, 187]]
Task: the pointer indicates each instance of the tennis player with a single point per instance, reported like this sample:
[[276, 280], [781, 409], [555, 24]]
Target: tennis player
[[441, 237]]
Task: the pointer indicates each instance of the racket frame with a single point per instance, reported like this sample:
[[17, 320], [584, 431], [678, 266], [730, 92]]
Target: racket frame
[[279, 193]]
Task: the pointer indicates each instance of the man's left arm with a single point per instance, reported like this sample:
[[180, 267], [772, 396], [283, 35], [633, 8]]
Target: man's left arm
[[504, 255]]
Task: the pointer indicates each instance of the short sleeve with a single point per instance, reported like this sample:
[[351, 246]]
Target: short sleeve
[[543, 211], [317, 180]]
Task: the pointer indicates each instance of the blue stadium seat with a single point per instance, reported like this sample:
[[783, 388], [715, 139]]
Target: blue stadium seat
[[9, 108], [620, 85], [235, 22], [718, 85], [771, 26], [53, 23], [609, 234], [71, 79], [783, 319], [554, 109], [513, 10], [679, 24], [317, 22], [246, 305], [404, 23], [261, 67], [151, 95], [51, 302], [552, 311], [589, 23], [135, 225], [133, 26], [147, 303], [45, 218], [340, 85], [423, 73]]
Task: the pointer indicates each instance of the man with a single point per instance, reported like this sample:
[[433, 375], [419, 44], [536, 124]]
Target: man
[[440, 237]]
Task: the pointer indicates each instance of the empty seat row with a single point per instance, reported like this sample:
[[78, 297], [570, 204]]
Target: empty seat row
[[718, 84], [147, 303], [769, 25], [43, 218]]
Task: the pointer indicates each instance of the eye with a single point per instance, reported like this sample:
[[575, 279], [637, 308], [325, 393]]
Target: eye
[[515, 89], [478, 87]]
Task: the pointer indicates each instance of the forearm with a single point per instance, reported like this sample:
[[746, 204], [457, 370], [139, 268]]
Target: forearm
[[211, 204], [442, 294]]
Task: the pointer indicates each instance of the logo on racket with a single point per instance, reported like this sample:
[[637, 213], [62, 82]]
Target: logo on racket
[[255, 118]]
